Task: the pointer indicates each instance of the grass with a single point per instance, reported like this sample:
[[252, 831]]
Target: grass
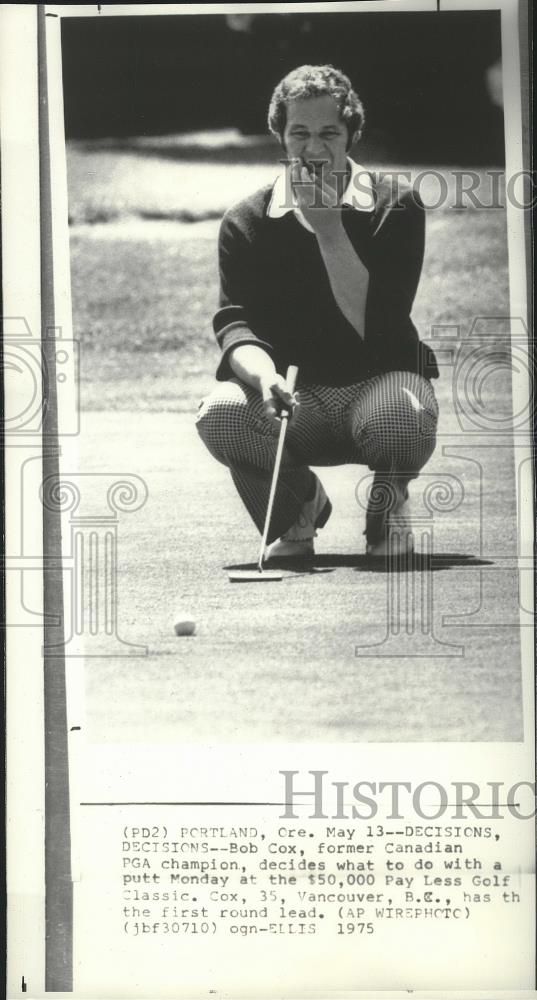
[[289, 661], [142, 312]]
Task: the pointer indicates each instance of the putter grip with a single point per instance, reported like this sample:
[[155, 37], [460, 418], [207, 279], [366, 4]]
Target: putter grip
[[291, 378]]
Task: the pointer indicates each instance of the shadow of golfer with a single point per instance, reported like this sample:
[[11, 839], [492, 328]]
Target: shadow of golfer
[[327, 563], [418, 562]]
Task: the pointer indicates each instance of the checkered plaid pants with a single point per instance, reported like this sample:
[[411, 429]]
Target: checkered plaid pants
[[387, 423]]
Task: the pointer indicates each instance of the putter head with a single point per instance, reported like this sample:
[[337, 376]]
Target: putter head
[[255, 576]]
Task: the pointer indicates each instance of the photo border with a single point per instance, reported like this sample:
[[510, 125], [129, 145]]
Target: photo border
[[39, 196]]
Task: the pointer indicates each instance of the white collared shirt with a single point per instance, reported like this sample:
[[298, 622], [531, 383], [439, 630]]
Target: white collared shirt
[[358, 194]]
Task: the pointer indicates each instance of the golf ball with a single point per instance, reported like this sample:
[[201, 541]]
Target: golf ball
[[185, 628]]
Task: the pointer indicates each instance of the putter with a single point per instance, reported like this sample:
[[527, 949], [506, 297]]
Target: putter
[[261, 575]]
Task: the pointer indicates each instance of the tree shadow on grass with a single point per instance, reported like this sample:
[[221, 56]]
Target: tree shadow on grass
[[260, 151], [327, 563], [226, 146]]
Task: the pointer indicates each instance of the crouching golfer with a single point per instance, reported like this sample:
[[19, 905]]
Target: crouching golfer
[[320, 270]]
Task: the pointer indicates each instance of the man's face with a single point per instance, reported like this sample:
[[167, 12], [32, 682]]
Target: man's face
[[315, 134]]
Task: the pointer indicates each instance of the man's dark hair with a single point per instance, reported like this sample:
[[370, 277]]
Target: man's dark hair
[[317, 81]]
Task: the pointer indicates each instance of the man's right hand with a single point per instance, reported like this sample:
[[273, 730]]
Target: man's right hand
[[276, 399], [255, 367]]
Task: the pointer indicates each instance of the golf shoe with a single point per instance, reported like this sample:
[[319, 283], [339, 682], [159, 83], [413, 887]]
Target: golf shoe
[[388, 528], [297, 542]]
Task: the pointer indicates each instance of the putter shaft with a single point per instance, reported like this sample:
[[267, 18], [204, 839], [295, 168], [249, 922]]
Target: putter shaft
[[273, 485], [291, 377]]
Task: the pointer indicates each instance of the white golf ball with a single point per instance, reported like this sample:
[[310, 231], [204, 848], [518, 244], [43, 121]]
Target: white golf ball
[[185, 628]]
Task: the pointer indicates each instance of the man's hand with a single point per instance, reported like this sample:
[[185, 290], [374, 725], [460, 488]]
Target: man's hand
[[317, 201], [348, 276], [276, 399], [254, 366]]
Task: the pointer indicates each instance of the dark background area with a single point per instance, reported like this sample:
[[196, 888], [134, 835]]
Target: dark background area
[[422, 76]]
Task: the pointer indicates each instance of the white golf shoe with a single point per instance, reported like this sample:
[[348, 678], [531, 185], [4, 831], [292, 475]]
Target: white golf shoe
[[389, 531], [297, 542]]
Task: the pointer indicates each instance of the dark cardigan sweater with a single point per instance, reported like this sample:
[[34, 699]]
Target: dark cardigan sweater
[[275, 290]]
